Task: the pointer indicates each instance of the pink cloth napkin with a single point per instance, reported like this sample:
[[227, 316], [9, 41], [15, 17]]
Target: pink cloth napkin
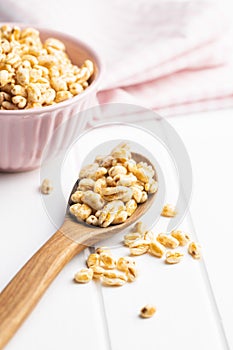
[[174, 57], [180, 61]]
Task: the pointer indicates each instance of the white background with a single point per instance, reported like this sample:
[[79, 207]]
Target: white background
[[72, 316]]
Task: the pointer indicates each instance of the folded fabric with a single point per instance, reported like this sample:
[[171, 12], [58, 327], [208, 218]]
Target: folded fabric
[[174, 57]]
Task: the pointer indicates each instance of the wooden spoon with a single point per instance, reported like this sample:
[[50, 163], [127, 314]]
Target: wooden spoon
[[24, 291]]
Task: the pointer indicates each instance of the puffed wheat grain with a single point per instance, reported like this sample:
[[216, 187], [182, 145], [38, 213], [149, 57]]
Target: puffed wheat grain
[[147, 311], [84, 276], [169, 211], [194, 250], [167, 241], [173, 257], [46, 186], [183, 238], [156, 249]]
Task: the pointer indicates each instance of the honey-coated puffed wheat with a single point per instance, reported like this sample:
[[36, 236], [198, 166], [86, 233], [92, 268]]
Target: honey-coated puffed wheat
[[147, 311], [110, 271], [156, 249], [173, 257], [194, 250], [113, 272], [93, 260], [169, 211], [107, 261], [139, 247], [84, 276], [35, 74], [46, 186], [112, 188], [182, 237], [167, 241]]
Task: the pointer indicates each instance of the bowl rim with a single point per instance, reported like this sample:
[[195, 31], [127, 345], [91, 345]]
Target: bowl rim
[[93, 86]]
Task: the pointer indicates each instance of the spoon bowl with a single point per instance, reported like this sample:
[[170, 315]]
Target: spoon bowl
[[89, 235], [24, 291]]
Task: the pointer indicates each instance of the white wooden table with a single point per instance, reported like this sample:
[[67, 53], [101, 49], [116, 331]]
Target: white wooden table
[[72, 316]]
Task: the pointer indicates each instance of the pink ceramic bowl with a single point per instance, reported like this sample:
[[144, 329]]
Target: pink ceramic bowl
[[25, 133]]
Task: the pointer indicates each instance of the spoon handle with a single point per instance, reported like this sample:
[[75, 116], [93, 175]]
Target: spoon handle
[[24, 291]]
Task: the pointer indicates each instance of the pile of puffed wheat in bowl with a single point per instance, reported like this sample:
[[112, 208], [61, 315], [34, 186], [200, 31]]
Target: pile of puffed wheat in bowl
[[37, 74]]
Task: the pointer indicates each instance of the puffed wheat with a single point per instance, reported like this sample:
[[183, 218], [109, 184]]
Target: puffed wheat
[[98, 271], [169, 211], [114, 278], [111, 190], [120, 217], [107, 261], [102, 265], [86, 184], [167, 241], [130, 206], [92, 220], [93, 260], [84, 276], [194, 250], [156, 249], [46, 186], [81, 211], [25, 60], [183, 238], [109, 212], [128, 265], [149, 236], [94, 200], [147, 311], [131, 237], [139, 247], [76, 196], [173, 257], [124, 262]]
